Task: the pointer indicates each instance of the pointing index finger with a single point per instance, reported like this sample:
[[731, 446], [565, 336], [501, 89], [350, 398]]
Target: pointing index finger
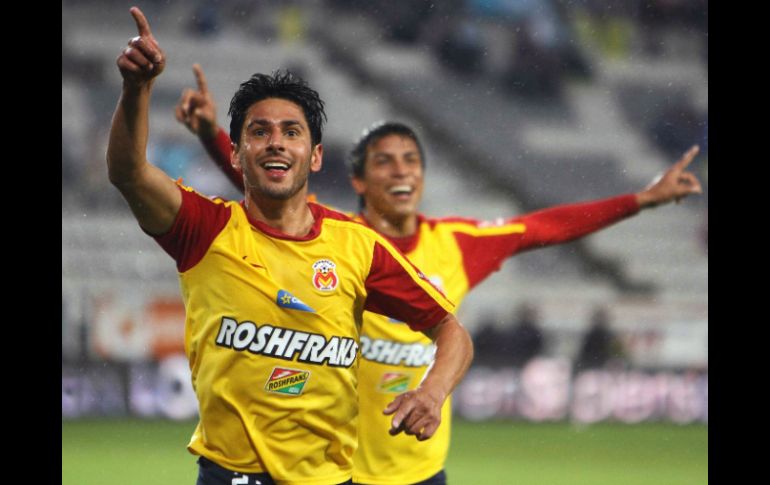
[[142, 25], [688, 157], [203, 85]]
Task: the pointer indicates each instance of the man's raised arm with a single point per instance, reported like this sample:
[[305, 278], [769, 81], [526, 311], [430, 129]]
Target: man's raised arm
[[198, 112], [153, 197]]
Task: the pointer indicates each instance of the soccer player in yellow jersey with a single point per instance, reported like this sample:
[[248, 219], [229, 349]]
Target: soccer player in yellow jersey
[[275, 288], [455, 253]]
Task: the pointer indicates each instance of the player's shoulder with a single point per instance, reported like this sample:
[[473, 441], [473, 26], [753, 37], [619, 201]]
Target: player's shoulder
[[448, 221], [470, 225], [453, 223], [214, 199]]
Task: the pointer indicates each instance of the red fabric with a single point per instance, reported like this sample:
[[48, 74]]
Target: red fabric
[[319, 213], [219, 149], [484, 255], [197, 224], [404, 244], [393, 292]]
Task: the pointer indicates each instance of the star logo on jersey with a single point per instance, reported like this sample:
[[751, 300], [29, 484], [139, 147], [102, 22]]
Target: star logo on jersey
[[394, 382], [324, 275], [284, 299], [287, 381]]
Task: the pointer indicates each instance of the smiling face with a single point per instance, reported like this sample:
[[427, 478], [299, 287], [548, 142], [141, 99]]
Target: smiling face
[[275, 153], [392, 181]]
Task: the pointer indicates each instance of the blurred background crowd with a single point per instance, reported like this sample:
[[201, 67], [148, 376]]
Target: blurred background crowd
[[521, 104]]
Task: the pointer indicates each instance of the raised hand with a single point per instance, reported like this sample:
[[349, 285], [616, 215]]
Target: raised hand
[[143, 59], [196, 109], [674, 184]]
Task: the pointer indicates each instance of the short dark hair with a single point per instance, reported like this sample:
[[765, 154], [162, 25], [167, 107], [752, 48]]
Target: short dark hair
[[372, 135], [283, 85]]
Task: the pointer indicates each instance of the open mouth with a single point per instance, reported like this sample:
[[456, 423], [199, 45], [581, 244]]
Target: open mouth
[[276, 165], [401, 190]]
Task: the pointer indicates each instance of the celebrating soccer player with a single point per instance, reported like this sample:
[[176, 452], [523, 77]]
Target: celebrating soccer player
[[388, 166], [275, 288]]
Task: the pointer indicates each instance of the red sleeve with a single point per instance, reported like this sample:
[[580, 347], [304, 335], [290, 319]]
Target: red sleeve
[[483, 254], [197, 224], [219, 149], [393, 292]]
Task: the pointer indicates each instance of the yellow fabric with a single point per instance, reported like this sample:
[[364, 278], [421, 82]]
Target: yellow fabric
[[394, 360], [234, 346]]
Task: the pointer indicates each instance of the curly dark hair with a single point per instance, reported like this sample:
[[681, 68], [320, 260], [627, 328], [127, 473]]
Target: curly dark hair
[[283, 85], [374, 133]]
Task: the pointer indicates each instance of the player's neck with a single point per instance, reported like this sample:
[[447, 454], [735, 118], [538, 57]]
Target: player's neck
[[391, 225], [291, 216]]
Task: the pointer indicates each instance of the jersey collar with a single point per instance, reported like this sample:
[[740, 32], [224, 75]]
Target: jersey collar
[[405, 244], [315, 230]]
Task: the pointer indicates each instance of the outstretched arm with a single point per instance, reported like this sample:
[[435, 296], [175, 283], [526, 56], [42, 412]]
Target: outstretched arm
[[418, 412], [197, 111], [568, 222], [153, 197], [486, 246]]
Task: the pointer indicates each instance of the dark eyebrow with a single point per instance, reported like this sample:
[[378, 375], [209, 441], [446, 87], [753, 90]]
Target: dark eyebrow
[[411, 153], [264, 122]]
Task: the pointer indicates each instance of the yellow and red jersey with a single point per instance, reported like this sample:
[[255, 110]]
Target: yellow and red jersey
[[456, 254], [272, 333]]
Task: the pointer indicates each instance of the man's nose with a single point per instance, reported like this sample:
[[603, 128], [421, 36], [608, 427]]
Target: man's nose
[[400, 168], [275, 140]]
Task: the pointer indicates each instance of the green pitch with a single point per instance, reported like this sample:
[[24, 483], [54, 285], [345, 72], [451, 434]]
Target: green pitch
[[134, 452]]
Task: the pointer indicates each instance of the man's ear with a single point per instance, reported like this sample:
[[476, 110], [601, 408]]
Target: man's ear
[[316, 158], [235, 161], [359, 186]]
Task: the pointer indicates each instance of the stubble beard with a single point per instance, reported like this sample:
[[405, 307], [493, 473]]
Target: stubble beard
[[271, 191]]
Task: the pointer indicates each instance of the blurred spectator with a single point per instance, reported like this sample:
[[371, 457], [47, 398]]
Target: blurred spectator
[[205, 19], [291, 24], [462, 48], [525, 340], [488, 343], [659, 17], [534, 69], [600, 345], [403, 19]]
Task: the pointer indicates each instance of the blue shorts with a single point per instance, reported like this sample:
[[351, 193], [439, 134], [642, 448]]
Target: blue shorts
[[209, 473], [437, 479]]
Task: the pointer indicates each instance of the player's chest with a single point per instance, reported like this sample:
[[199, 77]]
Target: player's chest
[[441, 261]]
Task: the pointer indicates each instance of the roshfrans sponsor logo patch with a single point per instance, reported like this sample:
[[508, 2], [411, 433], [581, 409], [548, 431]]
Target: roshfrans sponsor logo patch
[[287, 381], [394, 382]]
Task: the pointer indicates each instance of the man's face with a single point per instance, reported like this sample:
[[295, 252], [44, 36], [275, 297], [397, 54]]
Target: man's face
[[275, 153], [393, 177]]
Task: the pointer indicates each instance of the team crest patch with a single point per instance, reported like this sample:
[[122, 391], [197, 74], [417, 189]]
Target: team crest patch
[[394, 382], [287, 381], [324, 275]]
